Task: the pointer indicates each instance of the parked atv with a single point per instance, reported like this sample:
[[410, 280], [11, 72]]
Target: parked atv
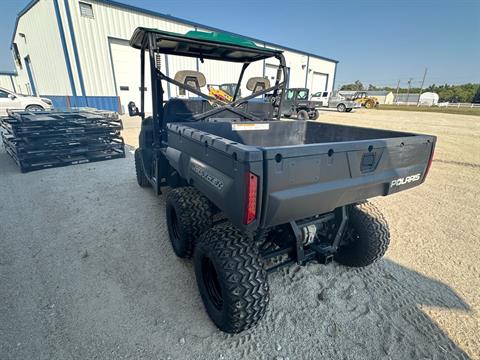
[[250, 194]]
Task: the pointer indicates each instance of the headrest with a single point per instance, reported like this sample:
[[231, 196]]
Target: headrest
[[255, 84], [192, 78]]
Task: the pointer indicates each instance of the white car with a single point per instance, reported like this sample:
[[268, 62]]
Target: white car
[[12, 101]]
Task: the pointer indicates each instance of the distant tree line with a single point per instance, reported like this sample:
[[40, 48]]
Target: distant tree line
[[452, 93]]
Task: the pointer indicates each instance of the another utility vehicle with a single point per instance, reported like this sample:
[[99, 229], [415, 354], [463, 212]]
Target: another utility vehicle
[[335, 100], [248, 194], [295, 103]]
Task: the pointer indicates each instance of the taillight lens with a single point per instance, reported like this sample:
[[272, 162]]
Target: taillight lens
[[429, 164], [251, 181]]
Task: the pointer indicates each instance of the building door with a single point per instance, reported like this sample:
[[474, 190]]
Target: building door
[[126, 70], [318, 82]]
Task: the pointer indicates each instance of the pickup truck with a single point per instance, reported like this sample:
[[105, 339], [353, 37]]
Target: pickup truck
[[335, 100], [248, 194]]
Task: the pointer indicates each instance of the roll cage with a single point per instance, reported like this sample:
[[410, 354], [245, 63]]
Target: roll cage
[[200, 45]]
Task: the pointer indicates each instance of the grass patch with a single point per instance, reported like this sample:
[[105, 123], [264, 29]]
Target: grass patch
[[435, 109]]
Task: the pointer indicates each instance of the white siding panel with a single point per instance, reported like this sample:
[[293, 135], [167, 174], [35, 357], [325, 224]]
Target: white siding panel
[[42, 43], [92, 40], [6, 82]]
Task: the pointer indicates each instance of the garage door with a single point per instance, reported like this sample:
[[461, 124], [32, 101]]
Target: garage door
[[126, 68], [318, 82]]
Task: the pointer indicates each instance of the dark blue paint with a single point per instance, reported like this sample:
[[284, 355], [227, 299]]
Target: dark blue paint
[[75, 49], [64, 46], [99, 102]]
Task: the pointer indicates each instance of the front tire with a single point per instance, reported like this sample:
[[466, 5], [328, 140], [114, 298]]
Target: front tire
[[366, 238], [34, 108], [231, 278], [302, 115], [341, 107], [349, 110], [142, 179], [189, 215]]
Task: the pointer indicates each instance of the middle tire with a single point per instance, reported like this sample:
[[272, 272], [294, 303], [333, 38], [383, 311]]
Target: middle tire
[[189, 215], [231, 278]]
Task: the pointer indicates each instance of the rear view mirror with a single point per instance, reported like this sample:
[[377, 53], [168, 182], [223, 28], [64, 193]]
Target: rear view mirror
[[11, 97], [133, 109]]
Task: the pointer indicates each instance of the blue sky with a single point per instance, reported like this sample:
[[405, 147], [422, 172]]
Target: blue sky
[[378, 42]]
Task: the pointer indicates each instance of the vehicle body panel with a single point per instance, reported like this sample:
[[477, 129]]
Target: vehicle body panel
[[12, 101], [306, 168]]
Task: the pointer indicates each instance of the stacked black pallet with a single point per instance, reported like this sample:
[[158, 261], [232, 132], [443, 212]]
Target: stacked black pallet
[[39, 140]]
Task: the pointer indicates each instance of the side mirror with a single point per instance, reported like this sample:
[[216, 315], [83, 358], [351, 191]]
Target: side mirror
[[11, 97], [133, 109]]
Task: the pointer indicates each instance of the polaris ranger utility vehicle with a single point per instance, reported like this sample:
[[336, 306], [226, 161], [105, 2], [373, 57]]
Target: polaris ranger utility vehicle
[[250, 194]]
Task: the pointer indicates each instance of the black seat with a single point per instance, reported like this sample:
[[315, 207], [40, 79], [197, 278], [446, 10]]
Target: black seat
[[183, 110]]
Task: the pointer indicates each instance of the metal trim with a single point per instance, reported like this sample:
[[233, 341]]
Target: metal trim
[[74, 45], [64, 46]]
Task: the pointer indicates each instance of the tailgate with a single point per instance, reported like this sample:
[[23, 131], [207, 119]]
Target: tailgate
[[302, 181]]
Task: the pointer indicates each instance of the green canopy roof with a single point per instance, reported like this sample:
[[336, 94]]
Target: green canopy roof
[[205, 45]]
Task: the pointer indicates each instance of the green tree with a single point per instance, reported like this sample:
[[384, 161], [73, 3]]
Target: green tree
[[356, 86]]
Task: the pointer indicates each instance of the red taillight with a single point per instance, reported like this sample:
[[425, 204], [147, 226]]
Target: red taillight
[[251, 181], [429, 164]]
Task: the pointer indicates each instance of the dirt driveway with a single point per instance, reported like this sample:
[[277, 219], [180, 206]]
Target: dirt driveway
[[87, 272]]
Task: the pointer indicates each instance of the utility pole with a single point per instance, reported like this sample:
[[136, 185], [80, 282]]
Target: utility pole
[[408, 91], [396, 96], [421, 87]]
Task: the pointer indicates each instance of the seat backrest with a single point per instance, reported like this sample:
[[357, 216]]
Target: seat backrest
[[183, 110], [255, 84], [191, 78]]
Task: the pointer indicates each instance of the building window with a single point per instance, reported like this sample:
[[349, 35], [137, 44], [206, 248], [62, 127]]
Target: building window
[[86, 10]]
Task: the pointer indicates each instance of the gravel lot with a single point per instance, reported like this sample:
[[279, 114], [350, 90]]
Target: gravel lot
[[87, 272]]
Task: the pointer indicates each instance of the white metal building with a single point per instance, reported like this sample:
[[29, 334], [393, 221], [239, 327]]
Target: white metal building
[[77, 53], [8, 80]]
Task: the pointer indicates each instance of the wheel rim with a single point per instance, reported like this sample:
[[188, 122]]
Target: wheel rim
[[174, 224], [211, 283], [341, 108]]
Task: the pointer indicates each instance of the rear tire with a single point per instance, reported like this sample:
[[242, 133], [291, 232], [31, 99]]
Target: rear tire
[[189, 215], [142, 179], [341, 107], [367, 237], [315, 115], [349, 110], [302, 115], [231, 278]]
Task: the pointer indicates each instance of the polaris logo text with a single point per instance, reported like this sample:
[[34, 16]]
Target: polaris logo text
[[405, 180]]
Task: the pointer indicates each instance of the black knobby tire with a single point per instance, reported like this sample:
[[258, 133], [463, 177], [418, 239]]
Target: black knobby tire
[[315, 116], [349, 110], [231, 278], [189, 215], [341, 107], [302, 115], [142, 179], [367, 236]]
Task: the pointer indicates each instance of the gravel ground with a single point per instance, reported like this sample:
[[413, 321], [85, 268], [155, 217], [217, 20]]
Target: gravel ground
[[86, 269]]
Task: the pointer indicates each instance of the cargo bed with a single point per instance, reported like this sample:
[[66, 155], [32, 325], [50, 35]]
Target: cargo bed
[[305, 167]]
